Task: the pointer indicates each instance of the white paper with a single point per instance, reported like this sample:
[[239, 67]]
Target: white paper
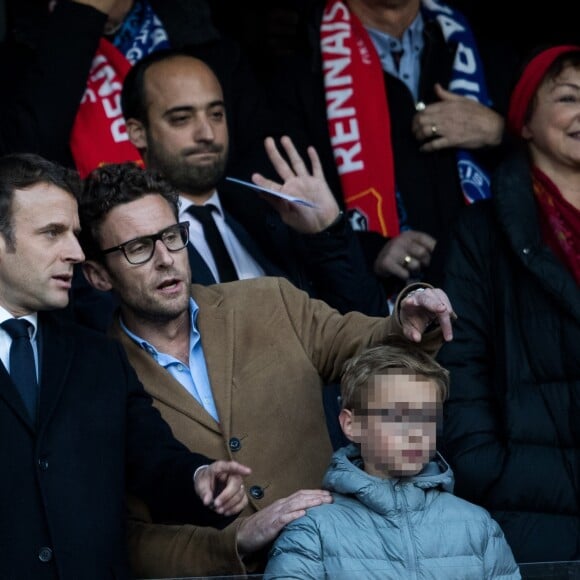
[[289, 198]]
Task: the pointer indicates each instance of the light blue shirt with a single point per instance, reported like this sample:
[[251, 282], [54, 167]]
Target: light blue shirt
[[193, 378], [411, 46]]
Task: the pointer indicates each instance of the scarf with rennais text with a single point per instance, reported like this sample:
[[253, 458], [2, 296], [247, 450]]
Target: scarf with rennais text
[[358, 115]]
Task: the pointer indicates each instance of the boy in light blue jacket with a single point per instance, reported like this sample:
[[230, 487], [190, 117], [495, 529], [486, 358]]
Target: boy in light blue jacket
[[394, 515]]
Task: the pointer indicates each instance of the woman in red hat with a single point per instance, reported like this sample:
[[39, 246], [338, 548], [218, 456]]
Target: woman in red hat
[[512, 422]]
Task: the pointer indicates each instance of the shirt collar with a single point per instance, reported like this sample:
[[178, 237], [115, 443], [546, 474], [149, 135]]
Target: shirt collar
[[147, 346], [32, 318], [412, 39], [184, 203]]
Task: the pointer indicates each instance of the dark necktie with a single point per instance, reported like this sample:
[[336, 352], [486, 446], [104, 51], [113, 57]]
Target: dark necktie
[[397, 55], [225, 266], [22, 365]]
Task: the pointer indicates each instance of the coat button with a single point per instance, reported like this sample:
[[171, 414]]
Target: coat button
[[43, 464], [235, 444], [45, 554], [256, 492]]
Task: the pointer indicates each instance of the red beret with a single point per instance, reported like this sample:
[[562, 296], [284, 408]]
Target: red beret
[[530, 79]]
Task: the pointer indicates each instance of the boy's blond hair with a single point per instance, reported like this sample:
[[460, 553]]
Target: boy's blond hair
[[396, 354]]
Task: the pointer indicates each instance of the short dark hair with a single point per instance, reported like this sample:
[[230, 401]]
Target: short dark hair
[[133, 98], [115, 184], [24, 170], [397, 354]]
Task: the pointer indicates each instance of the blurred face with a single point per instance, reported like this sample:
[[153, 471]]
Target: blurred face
[[155, 291], [36, 270], [553, 132], [398, 429], [186, 137]]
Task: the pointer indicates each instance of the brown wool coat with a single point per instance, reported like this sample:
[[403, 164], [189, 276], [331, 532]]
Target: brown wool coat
[[269, 349]]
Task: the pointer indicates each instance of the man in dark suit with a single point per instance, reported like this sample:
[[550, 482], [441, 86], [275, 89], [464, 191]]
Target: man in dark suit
[[175, 113], [76, 427]]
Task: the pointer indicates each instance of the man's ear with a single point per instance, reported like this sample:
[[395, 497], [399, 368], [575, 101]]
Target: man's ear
[[3, 246], [350, 426], [97, 275], [137, 134]]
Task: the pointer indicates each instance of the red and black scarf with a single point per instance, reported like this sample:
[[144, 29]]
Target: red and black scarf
[[559, 222]]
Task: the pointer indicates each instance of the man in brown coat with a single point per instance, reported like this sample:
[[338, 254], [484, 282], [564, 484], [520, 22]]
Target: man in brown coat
[[236, 369]]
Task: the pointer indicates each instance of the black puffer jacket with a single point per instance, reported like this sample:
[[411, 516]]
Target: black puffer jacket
[[512, 421]]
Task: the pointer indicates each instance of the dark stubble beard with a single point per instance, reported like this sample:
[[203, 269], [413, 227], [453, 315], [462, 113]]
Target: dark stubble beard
[[184, 175]]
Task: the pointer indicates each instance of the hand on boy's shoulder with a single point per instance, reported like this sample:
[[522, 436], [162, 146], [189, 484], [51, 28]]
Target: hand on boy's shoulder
[[261, 528]]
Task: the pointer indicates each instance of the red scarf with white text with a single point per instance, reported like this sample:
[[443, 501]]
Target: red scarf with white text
[[99, 134], [358, 119]]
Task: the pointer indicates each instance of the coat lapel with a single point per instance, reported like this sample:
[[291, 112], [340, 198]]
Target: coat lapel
[[160, 384], [216, 327], [12, 398], [252, 247], [56, 352]]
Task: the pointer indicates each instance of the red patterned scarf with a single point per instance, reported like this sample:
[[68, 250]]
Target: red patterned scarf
[[559, 222]]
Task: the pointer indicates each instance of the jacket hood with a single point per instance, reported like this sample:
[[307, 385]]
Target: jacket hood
[[345, 475]]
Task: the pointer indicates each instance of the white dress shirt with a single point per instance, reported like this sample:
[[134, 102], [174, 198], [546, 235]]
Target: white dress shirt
[[246, 266]]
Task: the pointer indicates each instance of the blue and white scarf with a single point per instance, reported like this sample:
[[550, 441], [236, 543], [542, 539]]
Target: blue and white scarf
[[141, 33], [468, 80]]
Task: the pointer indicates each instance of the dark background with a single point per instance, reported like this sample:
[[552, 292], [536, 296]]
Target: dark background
[[269, 28]]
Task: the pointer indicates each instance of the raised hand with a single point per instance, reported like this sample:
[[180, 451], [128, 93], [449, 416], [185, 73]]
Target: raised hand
[[220, 486], [299, 181], [423, 306], [261, 528]]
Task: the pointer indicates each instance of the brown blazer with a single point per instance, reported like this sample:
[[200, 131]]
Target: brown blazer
[[269, 350]]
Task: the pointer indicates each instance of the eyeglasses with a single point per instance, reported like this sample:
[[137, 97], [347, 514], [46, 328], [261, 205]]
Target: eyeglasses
[[141, 250], [407, 416]]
